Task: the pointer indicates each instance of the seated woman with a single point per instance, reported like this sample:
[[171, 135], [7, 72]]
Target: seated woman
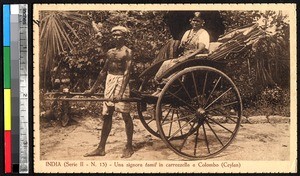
[[193, 42]]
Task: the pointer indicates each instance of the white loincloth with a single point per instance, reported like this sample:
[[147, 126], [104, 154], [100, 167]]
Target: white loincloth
[[112, 88]]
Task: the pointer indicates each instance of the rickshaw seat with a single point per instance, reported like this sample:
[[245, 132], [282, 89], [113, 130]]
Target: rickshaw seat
[[212, 47]]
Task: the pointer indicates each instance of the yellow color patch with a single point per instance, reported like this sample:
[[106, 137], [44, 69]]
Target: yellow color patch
[[7, 109]]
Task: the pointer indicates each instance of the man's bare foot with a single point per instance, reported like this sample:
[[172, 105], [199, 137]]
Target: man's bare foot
[[97, 152], [127, 152]]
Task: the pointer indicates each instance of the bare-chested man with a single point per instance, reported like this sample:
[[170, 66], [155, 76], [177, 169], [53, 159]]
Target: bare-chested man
[[117, 68]]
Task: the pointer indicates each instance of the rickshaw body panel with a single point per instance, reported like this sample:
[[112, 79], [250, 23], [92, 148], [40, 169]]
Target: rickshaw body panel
[[202, 61]]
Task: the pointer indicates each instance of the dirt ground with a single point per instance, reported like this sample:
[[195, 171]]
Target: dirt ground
[[254, 142]]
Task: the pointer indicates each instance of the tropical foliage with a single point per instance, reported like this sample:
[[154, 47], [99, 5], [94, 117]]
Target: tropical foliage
[[265, 65], [91, 38], [270, 50], [55, 30]]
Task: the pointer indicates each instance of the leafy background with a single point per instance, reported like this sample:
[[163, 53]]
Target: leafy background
[[73, 44]]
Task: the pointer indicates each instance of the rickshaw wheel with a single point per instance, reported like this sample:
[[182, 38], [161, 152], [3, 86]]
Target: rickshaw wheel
[[209, 109], [146, 109]]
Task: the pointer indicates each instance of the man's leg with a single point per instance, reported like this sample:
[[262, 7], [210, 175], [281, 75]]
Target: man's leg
[[106, 128], [128, 151]]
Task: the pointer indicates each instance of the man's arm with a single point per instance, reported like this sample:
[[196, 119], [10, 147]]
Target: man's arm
[[100, 77], [126, 73]]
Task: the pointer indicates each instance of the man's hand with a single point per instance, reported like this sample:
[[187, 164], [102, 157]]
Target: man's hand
[[118, 98], [89, 92]]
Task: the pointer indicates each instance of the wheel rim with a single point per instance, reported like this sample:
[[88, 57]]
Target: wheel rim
[[211, 112], [148, 117]]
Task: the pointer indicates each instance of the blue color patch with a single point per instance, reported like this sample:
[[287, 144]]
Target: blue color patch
[[6, 25]]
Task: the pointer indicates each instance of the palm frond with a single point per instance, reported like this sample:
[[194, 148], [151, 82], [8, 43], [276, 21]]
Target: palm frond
[[74, 18], [71, 29], [56, 28]]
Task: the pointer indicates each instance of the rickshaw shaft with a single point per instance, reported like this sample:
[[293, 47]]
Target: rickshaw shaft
[[95, 99]]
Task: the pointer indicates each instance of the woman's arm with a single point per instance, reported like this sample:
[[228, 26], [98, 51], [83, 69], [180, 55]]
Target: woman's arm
[[202, 44], [184, 57]]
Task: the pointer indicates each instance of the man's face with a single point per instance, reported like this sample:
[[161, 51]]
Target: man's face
[[118, 36]]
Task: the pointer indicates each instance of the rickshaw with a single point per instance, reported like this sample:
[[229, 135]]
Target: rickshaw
[[198, 112]]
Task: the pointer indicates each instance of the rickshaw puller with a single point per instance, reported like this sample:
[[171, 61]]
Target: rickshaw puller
[[117, 68]]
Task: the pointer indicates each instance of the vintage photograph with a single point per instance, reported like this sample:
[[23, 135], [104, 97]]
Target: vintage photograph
[[164, 88]]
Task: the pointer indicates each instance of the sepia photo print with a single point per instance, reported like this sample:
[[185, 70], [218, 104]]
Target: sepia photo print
[[164, 88]]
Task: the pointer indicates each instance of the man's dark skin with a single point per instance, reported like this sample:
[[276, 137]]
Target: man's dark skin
[[118, 62]]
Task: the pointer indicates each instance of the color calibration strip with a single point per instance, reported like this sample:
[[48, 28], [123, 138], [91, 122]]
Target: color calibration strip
[[7, 89], [15, 64]]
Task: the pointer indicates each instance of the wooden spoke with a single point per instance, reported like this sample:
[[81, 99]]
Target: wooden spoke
[[218, 98], [205, 137], [231, 119], [195, 86], [219, 124], [186, 91], [227, 116], [170, 129], [187, 136], [196, 141], [213, 89], [182, 100], [228, 104], [166, 116], [204, 84], [150, 121], [181, 128], [165, 109], [182, 110], [182, 118], [185, 109], [179, 124], [214, 133]]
